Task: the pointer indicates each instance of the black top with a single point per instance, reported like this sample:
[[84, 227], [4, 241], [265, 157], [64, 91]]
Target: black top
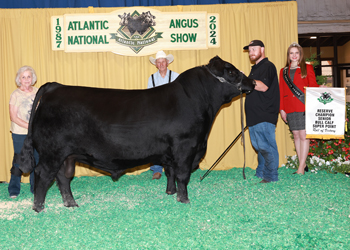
[[263, 106], [292, 73]]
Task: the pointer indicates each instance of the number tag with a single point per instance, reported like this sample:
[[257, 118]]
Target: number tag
[[57, 33], [213, 31]]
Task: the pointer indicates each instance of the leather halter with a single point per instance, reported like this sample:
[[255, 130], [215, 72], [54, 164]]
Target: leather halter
[[222, 79]]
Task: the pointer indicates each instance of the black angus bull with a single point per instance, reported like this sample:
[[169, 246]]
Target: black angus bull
[[113, 129]]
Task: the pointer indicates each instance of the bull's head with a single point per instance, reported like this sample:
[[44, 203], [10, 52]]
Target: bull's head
[[148, 18], [124, 19], [226, 72]]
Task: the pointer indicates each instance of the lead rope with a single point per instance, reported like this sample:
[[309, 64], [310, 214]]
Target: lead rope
[[230, 146], [242, 122], [221, 79]]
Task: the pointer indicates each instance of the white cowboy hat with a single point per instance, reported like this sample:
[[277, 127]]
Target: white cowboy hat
[[161, 54]]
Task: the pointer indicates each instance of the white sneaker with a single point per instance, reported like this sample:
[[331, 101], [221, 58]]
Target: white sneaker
[[13, 196]]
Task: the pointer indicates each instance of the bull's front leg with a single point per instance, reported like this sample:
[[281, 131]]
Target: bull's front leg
[[43, 180], [171, 186], [64, 184]]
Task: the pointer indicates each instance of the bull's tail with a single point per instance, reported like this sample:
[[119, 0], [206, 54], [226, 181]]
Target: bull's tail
[[26, 161]]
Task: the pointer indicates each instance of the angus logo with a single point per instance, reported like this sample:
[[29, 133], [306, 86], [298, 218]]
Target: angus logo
[[325, 98], [136, 30]]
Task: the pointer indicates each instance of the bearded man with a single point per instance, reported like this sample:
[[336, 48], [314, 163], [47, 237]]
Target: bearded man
[[262, 108]]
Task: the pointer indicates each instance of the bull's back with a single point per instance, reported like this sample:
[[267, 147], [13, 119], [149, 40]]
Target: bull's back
[[73, 116], [118, 106]]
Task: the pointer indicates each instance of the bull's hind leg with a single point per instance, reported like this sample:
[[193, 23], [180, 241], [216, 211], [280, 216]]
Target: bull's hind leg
[[43, 179], [63, 181], [182, 167], [171, 186], [183, 178]]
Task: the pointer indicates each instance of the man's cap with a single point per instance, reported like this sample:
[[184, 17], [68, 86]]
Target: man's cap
[[254, 43]]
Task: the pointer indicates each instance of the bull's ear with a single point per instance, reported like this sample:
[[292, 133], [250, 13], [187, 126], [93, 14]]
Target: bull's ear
[[228, 65], [214, 59], [216, 65]]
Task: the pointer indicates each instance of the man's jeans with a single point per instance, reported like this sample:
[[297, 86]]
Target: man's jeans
[[157, 169], [263, 138]]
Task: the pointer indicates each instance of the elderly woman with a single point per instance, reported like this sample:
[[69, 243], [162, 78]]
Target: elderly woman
[[21, 102]]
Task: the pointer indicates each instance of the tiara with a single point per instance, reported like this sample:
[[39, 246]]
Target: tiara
[[294, 45]]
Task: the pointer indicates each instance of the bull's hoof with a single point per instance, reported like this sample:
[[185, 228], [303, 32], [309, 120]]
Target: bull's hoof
[[182, 200], [70, 204], [170, 192], [38, 209]]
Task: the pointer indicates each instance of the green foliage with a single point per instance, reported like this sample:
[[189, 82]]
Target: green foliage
[[321, 79], [329, 155], [330, 150], [314, 62]]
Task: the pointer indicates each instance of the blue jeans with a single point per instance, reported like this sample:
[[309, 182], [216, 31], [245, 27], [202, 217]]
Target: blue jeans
[[14, 187], [157, 169], [263, 138]]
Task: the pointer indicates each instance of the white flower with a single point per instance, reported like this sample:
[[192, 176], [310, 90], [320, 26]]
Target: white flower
[[318, 163]]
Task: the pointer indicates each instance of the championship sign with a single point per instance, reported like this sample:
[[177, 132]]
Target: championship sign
[[325, 113], [135, 31]]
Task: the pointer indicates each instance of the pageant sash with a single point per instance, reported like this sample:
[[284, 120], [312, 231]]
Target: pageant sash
[[295, 90]]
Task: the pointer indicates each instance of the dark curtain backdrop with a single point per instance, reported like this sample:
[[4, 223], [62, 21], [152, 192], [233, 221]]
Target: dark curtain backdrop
[[113, 3]]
